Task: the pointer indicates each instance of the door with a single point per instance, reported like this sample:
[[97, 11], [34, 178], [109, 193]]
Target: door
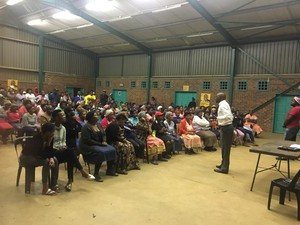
[[282, 106], [120, 96], [183, 98], [72, 91]]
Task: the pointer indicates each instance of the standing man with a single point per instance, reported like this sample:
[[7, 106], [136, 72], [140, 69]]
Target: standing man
[[291, 123], [224, 118], [103, 98]]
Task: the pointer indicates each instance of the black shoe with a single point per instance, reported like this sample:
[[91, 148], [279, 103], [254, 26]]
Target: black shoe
[[154, 162], [111, 173], [218, 166], [221, 171], [162, 159], [98, 178]]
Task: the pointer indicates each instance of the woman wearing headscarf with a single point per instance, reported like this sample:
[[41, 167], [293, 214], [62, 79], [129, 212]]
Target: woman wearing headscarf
[[108, 118], [92, 143], [126, 158], [160, 130], [172, 132], [155, 146], [202, 129], [192, 142]]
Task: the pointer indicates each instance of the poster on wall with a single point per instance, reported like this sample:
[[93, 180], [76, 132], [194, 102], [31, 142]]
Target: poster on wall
[[12, 84], [205, 99]]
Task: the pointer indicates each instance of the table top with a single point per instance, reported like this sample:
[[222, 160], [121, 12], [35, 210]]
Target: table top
[[271, 149]]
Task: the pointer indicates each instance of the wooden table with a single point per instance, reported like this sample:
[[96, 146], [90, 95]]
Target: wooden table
[[271, 149]]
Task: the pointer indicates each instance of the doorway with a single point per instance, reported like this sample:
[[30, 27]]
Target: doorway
[[120, 96], [282, 106], [183, 98], [72, 91]]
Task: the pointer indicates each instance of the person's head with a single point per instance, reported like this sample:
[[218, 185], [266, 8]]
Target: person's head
[[47, 130], [58, 116], [220, 97], [109, 114], [63, 105], [82, 114], [30, 109], [78, 93], [29, 90], [193, 99], [169, 116], [13, 108], [198, 112], [69, 112], [142, 116], [121, 119], [159, 115], [48, 109], [133, 113], [187, 115], [295, 101], [26, 102], [92, 117]]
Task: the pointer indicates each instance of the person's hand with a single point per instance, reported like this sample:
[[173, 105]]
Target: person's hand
[[63, 148], [103, 143], [51, 162]]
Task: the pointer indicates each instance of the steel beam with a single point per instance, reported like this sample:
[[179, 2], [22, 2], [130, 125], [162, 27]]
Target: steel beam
[[61, 4], [41, 62], [201, 10]]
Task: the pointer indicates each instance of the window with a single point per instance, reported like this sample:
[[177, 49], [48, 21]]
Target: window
[[133, 84], [99, 83], [242, 85], [206, 85], [167, 84], [144, 84], [107, 83], [263, 85], [223, 85], [155, 84]]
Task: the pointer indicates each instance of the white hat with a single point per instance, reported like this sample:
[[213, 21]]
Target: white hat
[[108, 112], [159, 107]]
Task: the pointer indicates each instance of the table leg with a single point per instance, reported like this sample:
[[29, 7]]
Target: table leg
[[289, 175], [255, 172]]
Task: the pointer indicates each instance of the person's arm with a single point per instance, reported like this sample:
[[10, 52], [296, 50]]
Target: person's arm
[[288, 120], [182, 127]]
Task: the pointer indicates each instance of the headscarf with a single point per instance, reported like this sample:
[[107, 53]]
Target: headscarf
[[296, 99]]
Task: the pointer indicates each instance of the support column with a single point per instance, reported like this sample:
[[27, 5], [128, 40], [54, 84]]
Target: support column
[[149, 75], [41, 62], [232, 75], [96, 73]]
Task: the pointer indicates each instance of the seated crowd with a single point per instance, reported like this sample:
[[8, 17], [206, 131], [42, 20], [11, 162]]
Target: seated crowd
[[63, 127]]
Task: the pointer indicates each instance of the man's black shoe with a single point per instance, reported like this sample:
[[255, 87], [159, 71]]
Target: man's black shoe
[[220, 171], [218, 166]]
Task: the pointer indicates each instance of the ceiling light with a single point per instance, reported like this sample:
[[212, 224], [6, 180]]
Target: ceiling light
[[121, 45], [56, 31], [100, 5], [258, 27], [119, 18], [36, 22], [13, 2], [157, 40], [85, 25], [199, 35], [169, 7], [64, 15]]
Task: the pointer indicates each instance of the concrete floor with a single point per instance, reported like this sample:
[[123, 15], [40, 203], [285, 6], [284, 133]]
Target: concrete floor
[[184, 190]]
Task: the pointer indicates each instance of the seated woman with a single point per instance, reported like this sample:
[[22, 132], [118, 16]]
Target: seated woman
[[5, 127], [171, 131], [160, 130], [202, 128], [13, 117], [126, 159], [192, 142], [92, 143], [62, 152], [238, 135], [29, 121], [251, 122], [155, 146], [38, 151], [108, 118], [247, 131]]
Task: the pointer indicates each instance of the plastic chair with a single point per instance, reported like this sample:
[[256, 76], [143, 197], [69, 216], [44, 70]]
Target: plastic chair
[[29, 170], [285, 184]]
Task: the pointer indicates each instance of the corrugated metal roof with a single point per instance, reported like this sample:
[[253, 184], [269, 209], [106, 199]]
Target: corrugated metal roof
[[174, 20]]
